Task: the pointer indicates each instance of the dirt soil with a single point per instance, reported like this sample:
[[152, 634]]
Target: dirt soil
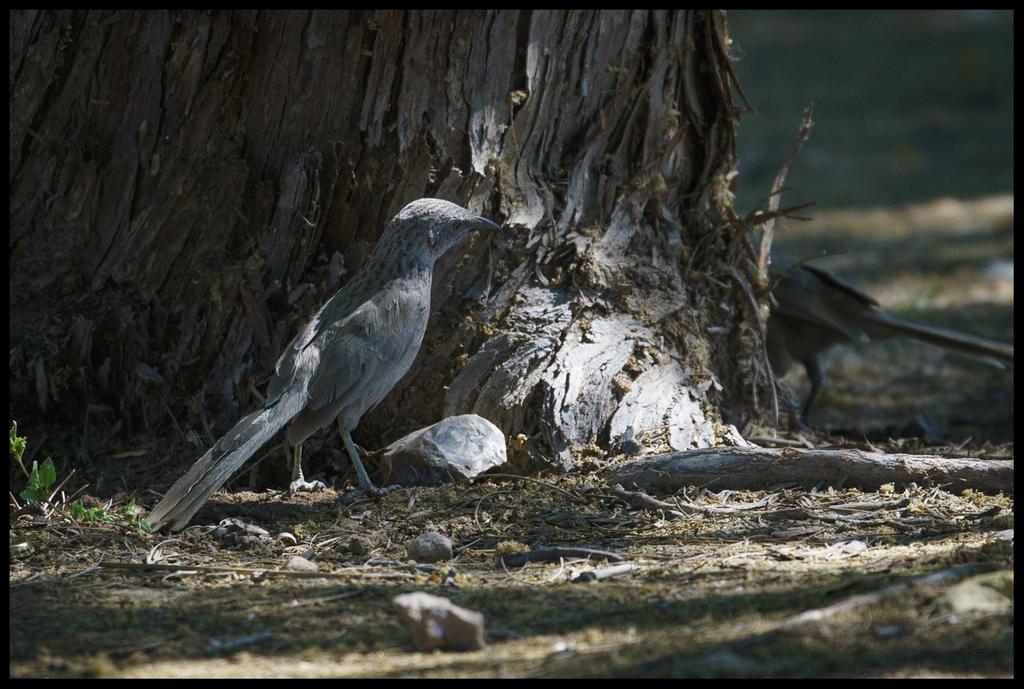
[[839, 587]]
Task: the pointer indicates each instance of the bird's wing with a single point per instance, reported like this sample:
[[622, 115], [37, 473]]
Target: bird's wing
[[818, 297], [347, 355], [840, 284], [297, 356], [367, 353]]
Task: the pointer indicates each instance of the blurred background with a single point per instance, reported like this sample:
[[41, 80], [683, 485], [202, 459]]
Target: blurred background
[[910, 105], [910, 166]]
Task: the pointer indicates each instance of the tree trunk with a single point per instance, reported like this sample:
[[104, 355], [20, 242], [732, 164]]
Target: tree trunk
[[188, 187]]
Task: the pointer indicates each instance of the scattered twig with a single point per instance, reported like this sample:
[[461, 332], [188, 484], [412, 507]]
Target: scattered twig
[[74, 495], [552, 486], [557, 575], [794, 514], [644, 501], [418, 567], [555, 553], [779, 442], [870, 506], [59, 486], [248, 571], [759, 217], [87, 570], [604, 573], [476, 510], [776, 194], [155, 554]]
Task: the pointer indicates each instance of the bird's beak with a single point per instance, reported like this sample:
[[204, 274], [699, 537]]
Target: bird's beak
[[482, 223]]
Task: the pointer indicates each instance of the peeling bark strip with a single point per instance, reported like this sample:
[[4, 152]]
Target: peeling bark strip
[[748, 469], [179, 180]]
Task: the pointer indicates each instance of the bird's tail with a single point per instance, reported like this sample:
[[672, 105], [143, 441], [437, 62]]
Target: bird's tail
[[227, 455], [885, 325]]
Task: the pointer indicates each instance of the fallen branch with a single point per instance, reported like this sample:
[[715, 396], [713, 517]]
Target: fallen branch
[[754, 469]]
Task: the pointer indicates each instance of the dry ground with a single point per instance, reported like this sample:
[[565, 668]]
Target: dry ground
[[713, 594]]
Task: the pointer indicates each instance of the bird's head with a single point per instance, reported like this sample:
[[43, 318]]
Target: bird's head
[[437, 225]]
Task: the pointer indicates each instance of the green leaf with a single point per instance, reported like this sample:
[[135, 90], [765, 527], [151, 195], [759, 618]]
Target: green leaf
[[32, 492], [29, 496], [17, 442], [89, 514], [40, 480], [47, 474]]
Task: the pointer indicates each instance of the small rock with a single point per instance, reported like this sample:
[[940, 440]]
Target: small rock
[[236, 533], [301, 564], [453, 449], [435, 622], [429, 547], [982, 595], [235, 527]]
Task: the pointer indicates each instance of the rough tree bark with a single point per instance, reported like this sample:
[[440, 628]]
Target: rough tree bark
[[188, 187]]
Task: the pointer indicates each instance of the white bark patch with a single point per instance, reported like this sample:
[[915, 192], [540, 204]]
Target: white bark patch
[[575, 381], [659, 403], [580, 396], [496, 382]]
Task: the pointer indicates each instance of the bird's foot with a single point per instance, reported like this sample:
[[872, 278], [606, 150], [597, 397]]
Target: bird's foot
[[302, 485], [372, 491]]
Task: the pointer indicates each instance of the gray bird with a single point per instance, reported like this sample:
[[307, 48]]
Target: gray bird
[[814, 310], [349, 356]]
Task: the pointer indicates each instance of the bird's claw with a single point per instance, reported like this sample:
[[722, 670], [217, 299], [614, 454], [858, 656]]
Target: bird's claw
[[302, 485], [351, 496]]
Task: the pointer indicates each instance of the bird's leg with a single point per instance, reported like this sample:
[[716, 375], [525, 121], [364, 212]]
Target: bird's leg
[[816, 372], [789, 405], [298, 481], [365, 484]]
